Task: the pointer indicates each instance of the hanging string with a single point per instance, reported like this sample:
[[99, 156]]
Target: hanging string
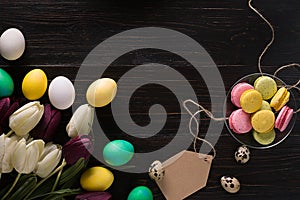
[[272, 38], [288, 66], [193, 118]]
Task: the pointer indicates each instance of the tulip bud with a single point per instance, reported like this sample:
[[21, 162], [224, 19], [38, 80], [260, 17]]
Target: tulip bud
[[25, 156], [7, 145], [48, 125], [6, 110], [93, 196], [49, 159], [26, 118], [76, 148], [81, 121]]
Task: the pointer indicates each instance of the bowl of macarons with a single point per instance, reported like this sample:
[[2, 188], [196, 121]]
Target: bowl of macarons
[[259, 111]]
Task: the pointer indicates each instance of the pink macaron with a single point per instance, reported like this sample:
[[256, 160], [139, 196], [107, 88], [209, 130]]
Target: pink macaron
[[284, 117], [237, 92], [240, 121]]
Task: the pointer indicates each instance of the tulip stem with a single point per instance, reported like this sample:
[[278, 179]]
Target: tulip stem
[[9, 133], [46, 178], [12, 187], [58, 176]]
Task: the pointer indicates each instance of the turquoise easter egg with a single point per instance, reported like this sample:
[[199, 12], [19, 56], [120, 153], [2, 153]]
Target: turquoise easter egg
[[118, 152], [6, 84], [140, 193]]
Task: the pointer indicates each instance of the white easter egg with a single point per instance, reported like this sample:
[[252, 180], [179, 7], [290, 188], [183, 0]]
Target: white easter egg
[[12, 44], [61, 93]]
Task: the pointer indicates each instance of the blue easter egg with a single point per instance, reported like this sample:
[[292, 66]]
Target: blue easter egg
[[118, 152], [140, 193]]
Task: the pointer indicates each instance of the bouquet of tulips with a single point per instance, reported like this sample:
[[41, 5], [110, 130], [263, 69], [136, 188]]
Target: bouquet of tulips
[[28, 154]]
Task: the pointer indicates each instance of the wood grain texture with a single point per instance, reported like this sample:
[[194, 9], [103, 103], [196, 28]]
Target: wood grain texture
[[59, 35]]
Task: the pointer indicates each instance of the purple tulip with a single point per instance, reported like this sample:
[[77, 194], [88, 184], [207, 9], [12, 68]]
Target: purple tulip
[[7, 108], [93, 196], [76, 148], [48, 125]]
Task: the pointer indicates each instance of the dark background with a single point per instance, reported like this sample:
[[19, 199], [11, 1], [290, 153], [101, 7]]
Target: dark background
[[59, 34]]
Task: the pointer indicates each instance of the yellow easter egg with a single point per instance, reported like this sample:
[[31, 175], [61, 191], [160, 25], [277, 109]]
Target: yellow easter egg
[[96, 179], [34, 84], [101, 92]]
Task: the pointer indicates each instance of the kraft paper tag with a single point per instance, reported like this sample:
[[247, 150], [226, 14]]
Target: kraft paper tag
[[185, 173]]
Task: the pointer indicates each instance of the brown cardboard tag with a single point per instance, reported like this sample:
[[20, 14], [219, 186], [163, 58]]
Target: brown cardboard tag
[[185, 173]]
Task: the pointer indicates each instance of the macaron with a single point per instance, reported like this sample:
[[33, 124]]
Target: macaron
[[265, 106], [251, 101], [263, 121], [281, 97], [237, 92], [240, 121], [264, 138], [284, 117], [266, 86]]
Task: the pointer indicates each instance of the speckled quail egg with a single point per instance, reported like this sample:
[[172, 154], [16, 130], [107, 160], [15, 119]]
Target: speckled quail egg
[[242, 154], [230, 184], [156, 171]]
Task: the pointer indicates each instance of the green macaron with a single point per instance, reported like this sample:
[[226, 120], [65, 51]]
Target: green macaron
[[264, 138], [266, 86]]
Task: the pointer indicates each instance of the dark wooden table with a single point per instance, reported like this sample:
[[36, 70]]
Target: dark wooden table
[[59, 34]]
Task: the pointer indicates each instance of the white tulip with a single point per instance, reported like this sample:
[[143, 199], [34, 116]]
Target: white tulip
[[25, 156], [7, 145], [26, 118], [49, 160], [81, 121]]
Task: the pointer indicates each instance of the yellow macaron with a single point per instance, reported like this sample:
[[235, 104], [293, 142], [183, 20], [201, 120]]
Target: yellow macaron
[[263, 121], [251, 101], [281, 97]]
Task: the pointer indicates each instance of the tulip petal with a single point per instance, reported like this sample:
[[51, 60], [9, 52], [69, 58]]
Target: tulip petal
[[33, 152], [19, 156], [76, 148], [48, 164], [53, 125], [10, 144], [81, 121], [94, 196], [4, 106], [26, 118], [2, 150], [4, 121]]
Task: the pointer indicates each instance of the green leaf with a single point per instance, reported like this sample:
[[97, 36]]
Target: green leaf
[[24, 189], [69, 173], [59, 194]]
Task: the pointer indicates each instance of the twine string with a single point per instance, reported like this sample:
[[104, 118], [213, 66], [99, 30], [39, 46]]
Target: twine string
[[195, 120], [272, 38]]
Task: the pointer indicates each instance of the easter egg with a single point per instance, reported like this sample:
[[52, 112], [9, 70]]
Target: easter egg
[[101, 92], [34, 84], [96, 179], [140, 193], [12, 44], [61, 93], [6, 84], [118, 152]]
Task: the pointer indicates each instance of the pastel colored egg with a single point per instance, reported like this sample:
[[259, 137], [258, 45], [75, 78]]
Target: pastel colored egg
[[6, 84], [61, 93], [140, 193], [96, 179], [34, 84], [101, 92], [118, 152], [12, 44]]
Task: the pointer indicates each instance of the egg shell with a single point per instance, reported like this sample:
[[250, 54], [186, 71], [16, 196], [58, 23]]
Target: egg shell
[[140, 193], [118, 152], [61, 93], [34, 84], [12, 44], [96, 179], [101, 92], [6, 84]]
